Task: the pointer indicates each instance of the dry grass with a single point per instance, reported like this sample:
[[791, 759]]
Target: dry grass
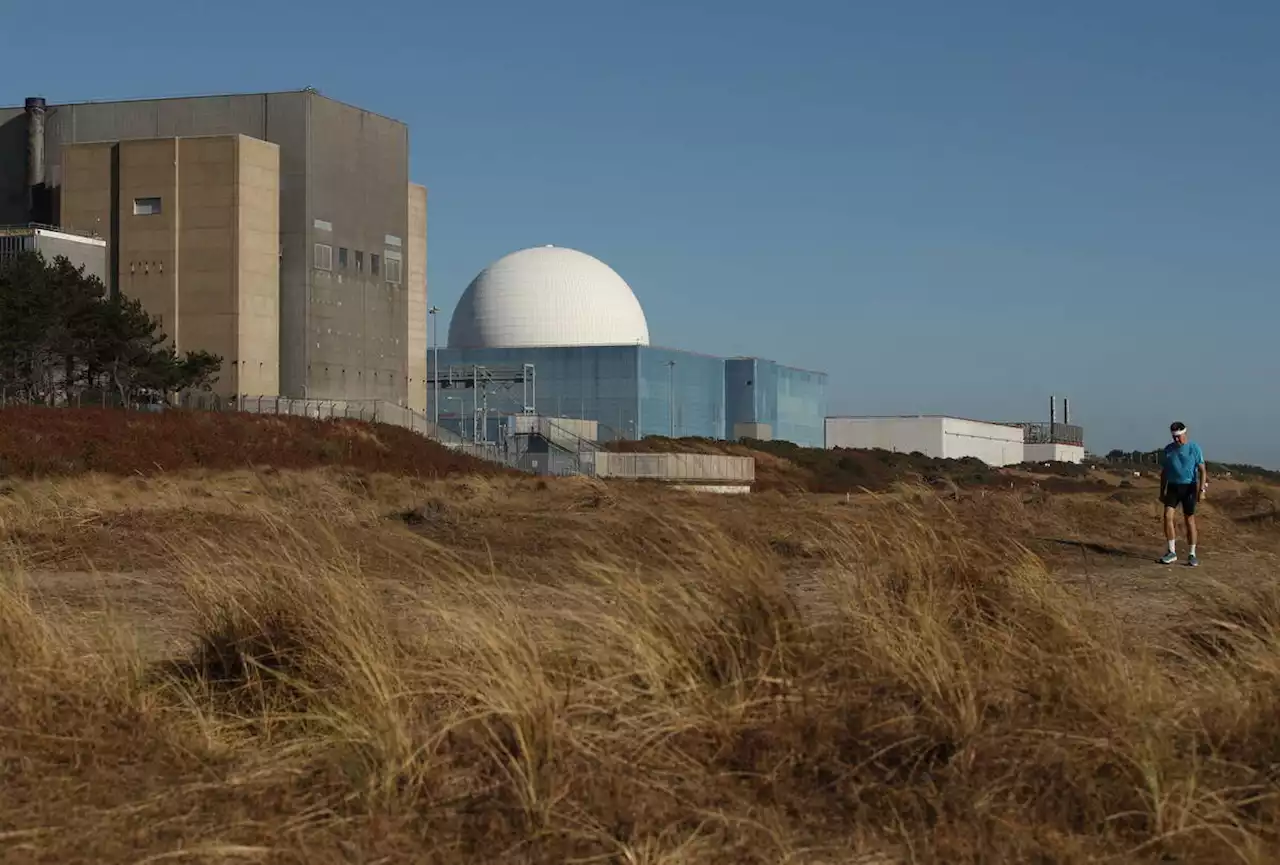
[[62, 442], [496, 670]]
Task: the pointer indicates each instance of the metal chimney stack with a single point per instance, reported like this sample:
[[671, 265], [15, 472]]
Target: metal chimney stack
[[1066, 410], [36, 180]]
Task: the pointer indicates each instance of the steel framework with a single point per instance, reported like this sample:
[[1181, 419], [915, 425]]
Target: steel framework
[[484, 382]]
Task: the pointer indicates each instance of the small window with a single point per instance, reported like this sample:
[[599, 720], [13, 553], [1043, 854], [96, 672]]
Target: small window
[[359, 261], [146, 206], [324, 256], [393, 266], [342, 258], [374, 262]]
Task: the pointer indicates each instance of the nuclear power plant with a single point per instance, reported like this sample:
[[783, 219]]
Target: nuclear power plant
[[282, 232], [278, 230], [573, 329]]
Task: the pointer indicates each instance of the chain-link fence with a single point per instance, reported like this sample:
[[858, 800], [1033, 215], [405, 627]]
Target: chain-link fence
[[529, 443]]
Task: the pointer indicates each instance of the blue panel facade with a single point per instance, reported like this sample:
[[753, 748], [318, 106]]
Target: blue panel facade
[[591, 382], [637, 391], [792, 402], [801, 406], [751, 392], [681, 393], [740, 394]]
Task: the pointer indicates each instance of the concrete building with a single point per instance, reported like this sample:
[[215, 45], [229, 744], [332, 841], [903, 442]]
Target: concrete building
[[1054, 452], [82, 250], [561, 334], [350, 239], [934, 436], [195, 229]]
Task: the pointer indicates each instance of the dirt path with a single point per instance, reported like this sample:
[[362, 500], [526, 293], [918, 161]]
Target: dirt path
[[1143, 593], [150, 606]]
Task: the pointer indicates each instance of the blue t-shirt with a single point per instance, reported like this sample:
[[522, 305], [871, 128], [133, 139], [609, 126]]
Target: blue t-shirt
[[1180, 462]]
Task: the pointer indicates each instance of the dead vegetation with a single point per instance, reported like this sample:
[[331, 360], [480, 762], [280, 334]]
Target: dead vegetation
[[378, 669], [58, 442]]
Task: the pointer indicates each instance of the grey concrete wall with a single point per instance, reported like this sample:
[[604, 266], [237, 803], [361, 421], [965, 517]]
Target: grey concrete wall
[[708, 468], [13, 166], [337, 163], [359, 171], [287, 126]]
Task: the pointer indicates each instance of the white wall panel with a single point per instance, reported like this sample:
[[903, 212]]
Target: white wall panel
[[942, 437], [898, 434], [994, 444], [1054, 453]]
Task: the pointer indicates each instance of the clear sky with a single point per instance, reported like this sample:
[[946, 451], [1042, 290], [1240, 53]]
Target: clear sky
[[951, 207]]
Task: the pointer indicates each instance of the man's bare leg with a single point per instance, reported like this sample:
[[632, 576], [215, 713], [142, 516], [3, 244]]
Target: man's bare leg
[[1192, 536], [1170, 535]]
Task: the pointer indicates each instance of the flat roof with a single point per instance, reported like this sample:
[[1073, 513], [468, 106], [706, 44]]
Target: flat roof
[[310, 90], [919, 417], [46, 231], [778, 363]]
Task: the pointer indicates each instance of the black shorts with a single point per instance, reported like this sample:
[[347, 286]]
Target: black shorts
[[1184, 495]]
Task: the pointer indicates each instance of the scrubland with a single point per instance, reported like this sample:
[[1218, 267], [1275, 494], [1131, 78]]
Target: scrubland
[[328, 665]]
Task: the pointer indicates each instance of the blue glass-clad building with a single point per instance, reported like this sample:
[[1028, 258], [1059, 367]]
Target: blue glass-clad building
[[633, 391], [573, 323], [783, 402]]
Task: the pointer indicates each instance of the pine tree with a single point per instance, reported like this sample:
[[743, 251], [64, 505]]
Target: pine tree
[[61, 335]]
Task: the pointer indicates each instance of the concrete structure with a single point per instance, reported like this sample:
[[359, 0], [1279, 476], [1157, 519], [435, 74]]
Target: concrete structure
[[1049, 452], [415, 338], [579, 326], [351, 242], [82, 250], [715, 489], [692, 469], [195, 230], [934, 436], [588, 430]]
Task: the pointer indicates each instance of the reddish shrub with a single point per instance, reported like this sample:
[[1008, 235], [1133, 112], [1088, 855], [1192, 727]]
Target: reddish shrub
[[38, 442]]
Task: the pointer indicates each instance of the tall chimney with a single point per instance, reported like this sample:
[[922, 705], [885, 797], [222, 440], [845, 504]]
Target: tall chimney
[[36, 180], [1053, 411], [1066, 410]]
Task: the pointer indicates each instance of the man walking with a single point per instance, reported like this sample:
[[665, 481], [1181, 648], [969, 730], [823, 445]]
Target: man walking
[[1182, 485]]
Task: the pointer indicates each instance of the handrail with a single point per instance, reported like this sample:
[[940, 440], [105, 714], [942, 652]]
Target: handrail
[[41, 226], [565, 439]]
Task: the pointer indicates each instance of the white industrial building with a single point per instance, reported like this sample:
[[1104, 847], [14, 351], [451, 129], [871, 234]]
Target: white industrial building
[[1054, 452], [995, 444]]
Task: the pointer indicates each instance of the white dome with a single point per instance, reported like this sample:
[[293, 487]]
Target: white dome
[[547, 296]]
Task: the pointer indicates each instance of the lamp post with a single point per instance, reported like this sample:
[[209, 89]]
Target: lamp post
[[434, 314], [671, 396]]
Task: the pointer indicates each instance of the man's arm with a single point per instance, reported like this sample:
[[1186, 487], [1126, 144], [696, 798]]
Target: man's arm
[[1202, 477]]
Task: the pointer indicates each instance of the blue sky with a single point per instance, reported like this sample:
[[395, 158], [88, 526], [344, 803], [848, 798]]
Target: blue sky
[[950, 207]]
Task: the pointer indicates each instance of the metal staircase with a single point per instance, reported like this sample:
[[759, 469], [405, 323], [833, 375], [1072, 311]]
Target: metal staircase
[[565, 451]]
